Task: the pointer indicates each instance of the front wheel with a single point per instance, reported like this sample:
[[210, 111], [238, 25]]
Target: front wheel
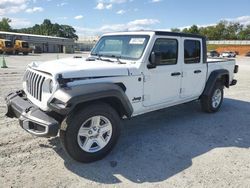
[[91, 132], [212, 103]]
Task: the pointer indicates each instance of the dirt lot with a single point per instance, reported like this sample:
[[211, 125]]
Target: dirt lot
[[176, 147]]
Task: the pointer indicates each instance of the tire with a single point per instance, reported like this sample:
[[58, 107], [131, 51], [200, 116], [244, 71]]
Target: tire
[[25, 53], [210, 103], [83, 129]]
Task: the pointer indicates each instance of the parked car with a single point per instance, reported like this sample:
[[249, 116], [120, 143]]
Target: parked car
[[127, 74], [228, 54], [248, 54], [213, 53], [233, 54]]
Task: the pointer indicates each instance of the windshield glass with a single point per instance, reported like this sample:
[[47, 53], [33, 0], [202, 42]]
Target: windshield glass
[[25, 45], [8, 44], [123, 46]]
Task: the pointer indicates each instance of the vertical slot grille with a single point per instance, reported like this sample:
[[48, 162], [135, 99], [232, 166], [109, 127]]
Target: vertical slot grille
[[34, 84]]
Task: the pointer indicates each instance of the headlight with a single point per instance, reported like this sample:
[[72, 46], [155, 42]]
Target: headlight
[[51, 86]]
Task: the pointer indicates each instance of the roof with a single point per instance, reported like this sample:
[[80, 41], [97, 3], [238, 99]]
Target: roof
[[158, 32], [32, 35], [4, 39], [178, 34]]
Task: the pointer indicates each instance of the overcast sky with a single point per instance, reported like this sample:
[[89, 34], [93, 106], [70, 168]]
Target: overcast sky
[[97, 16]]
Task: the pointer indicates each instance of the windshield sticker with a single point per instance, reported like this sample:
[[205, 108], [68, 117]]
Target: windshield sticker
[[136, 40]]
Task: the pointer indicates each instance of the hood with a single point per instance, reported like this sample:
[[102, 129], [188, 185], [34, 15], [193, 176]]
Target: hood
[[79, 67]]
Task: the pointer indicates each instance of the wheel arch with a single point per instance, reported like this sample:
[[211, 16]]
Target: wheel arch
[[221, 75], [82, 95]]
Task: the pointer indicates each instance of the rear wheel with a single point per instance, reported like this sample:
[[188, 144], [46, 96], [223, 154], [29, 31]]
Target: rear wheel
[[25, 53], [91, 132], [212, 103]]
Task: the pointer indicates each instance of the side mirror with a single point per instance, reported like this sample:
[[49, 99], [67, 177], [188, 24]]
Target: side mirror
[[154, 59]]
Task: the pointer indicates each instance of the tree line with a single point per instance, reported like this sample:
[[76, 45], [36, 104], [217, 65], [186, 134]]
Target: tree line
[[46, 28], [224, 30]]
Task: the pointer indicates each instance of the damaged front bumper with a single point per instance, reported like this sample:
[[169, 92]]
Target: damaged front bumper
[[31, 118]]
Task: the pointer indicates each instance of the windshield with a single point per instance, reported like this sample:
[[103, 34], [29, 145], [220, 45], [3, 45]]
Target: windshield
[[123, 46], [8, 44], [25, 45]]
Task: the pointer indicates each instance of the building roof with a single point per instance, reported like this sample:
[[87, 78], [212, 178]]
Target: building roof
[[32, 35]]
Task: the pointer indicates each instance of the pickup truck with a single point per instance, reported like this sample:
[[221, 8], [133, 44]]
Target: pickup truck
[[125, 75]]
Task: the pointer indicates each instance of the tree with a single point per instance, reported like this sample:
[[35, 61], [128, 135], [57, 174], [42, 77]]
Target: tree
[[244, 34], [68, 32], [175, 30], [5, 24], [194, 29], [51, 29]]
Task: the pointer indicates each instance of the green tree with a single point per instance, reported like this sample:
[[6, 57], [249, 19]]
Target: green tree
[[175, 30], [194, 29], [68, 32], [5, 24], [51, 29], [244, 34]]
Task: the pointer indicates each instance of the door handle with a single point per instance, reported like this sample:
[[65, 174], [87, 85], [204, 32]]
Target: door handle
[[197, 71], [176, 74]]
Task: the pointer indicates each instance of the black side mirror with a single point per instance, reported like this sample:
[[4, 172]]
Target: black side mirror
[[154, 59]]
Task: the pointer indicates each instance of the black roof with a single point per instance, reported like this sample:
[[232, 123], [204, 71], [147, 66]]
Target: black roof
[[179, 34]]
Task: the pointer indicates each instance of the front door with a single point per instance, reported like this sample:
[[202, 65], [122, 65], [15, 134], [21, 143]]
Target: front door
[[162, 84]]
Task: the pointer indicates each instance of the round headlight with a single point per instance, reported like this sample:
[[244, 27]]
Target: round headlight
[[51, 85]]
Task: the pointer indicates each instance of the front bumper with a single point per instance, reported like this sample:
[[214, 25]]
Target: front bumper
[[31, 118]]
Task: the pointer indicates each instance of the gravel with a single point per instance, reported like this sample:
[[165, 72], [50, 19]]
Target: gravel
[[175, 147]]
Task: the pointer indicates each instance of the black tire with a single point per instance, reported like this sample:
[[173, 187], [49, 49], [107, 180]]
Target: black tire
[[74, 121], [207, 101], [25, 53]]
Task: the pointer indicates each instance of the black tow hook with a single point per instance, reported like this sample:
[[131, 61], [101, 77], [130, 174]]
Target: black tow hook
[[28, 109]]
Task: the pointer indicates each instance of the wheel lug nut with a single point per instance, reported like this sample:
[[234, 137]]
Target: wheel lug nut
[[90, 132]]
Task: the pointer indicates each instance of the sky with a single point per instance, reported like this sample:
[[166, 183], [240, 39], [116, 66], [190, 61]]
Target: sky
[[94, 17]]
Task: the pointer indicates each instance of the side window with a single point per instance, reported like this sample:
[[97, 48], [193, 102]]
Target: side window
[[192, 51], [168, 48]]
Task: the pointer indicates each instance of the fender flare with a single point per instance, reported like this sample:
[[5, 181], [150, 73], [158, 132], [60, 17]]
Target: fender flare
[[64, 100], [214, 76]]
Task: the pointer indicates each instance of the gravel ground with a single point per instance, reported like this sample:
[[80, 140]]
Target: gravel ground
[[176, 147]]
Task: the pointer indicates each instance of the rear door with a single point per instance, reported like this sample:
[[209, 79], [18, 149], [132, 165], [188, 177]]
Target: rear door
[[194, 70]]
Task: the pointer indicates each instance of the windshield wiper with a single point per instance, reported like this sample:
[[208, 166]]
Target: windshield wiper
[[99, 57], [118, 59]]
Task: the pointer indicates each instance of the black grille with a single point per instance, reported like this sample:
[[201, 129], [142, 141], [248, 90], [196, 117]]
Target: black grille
[[34, 84]]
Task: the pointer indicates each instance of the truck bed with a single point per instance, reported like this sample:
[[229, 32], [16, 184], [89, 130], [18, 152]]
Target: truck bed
[[221, 63]]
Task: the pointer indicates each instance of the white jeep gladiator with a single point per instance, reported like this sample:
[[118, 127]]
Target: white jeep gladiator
[[126, 74]]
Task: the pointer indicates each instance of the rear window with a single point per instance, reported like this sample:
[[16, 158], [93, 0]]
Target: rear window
[[192, 51]]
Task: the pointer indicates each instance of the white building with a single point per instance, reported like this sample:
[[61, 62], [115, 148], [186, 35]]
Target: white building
[[47, 44], [86, 43]]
